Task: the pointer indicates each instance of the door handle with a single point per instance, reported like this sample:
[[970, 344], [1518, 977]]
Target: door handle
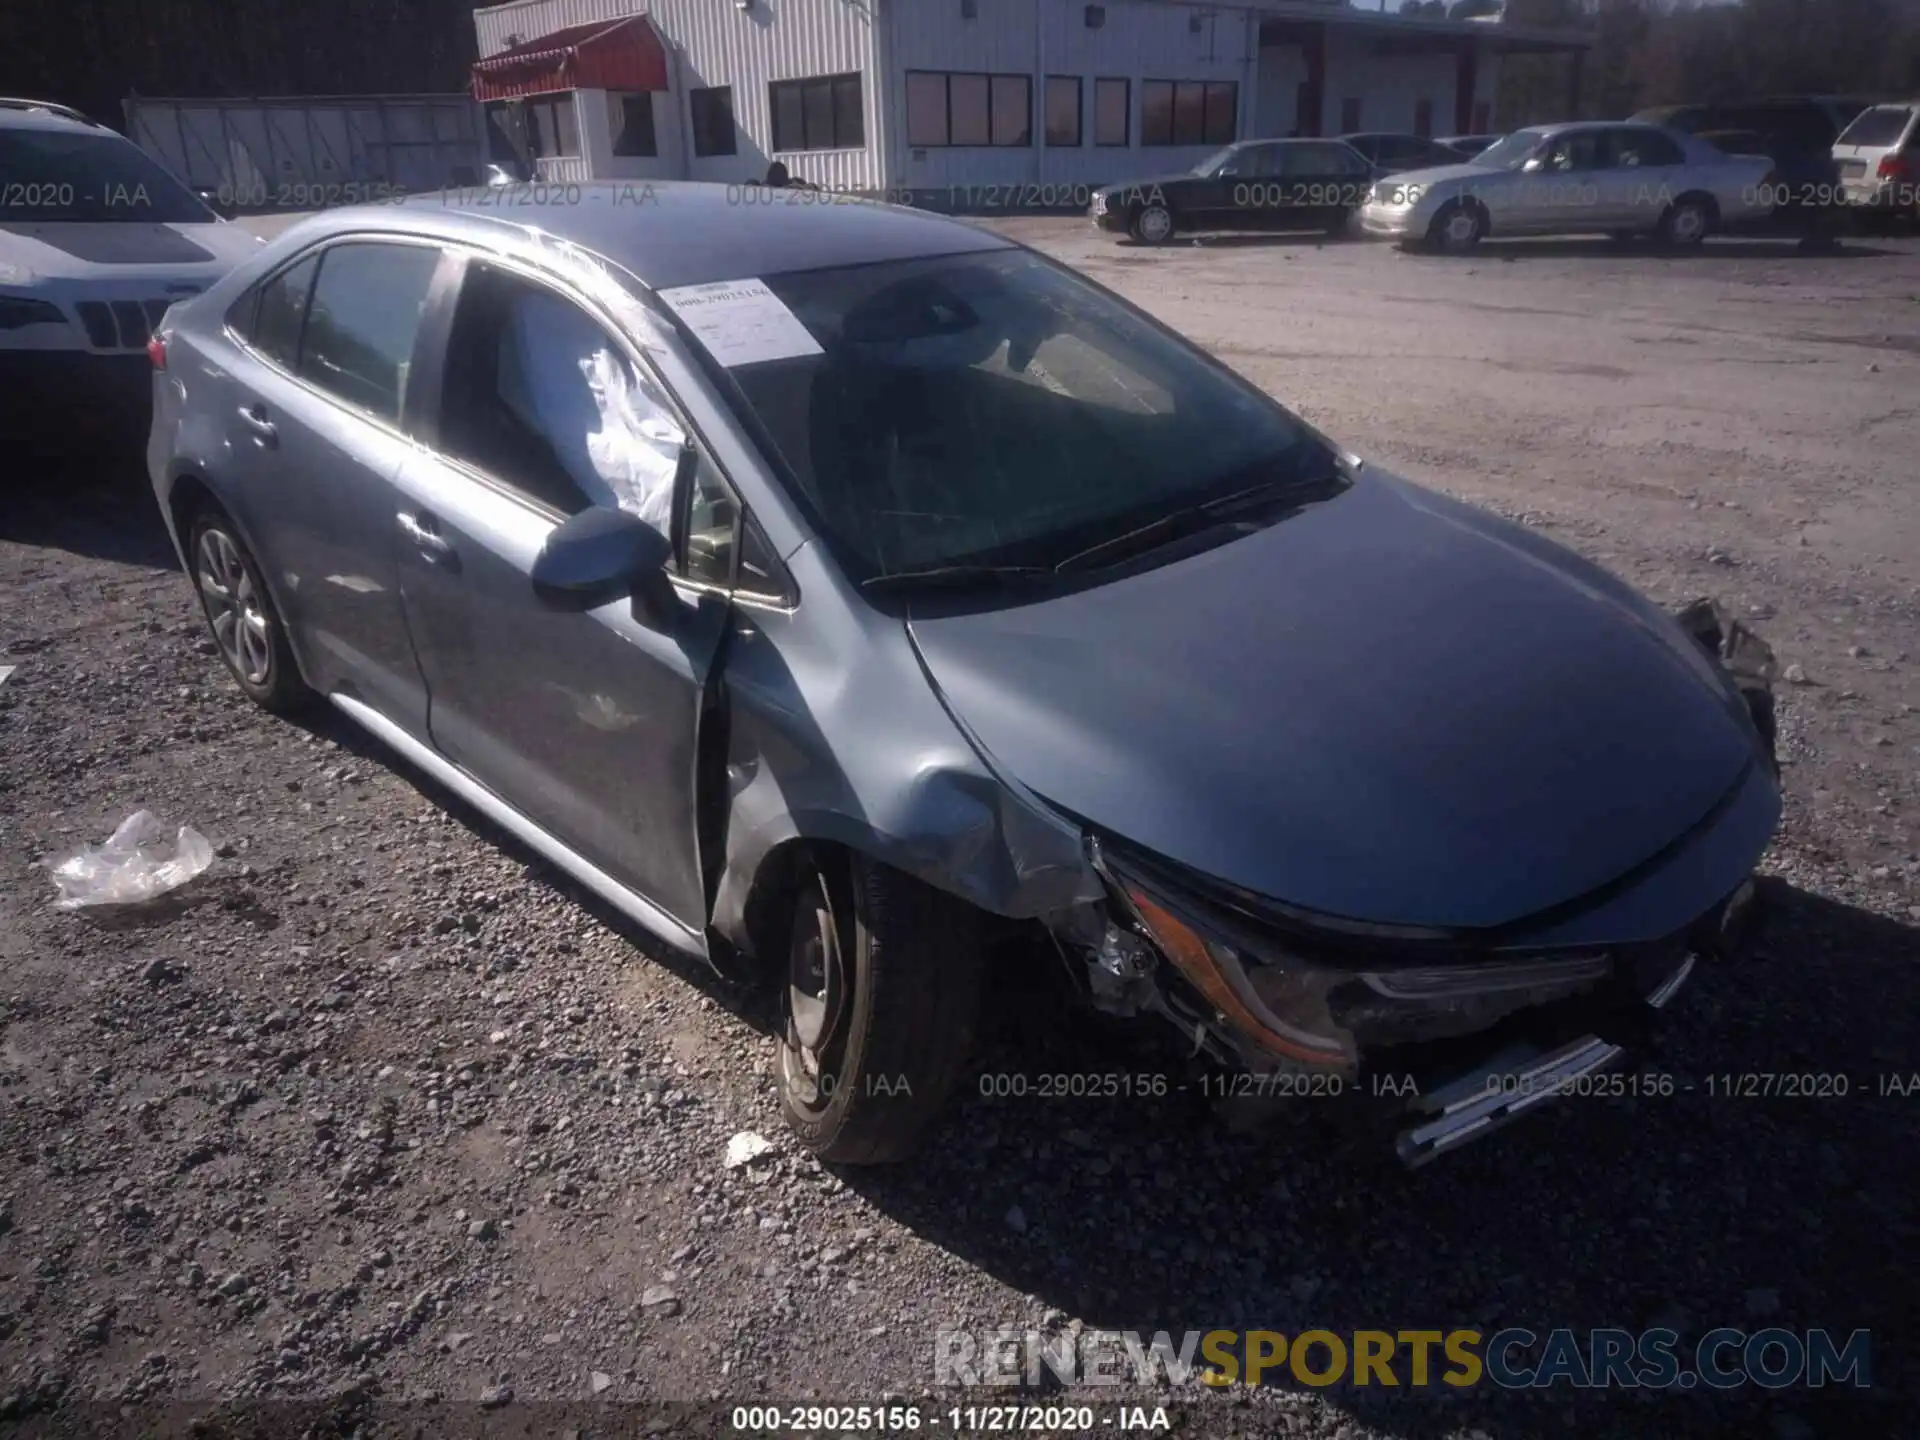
[[425, 534], [254, 417]]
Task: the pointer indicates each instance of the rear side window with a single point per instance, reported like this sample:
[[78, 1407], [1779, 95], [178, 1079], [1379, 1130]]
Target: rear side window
[[280, 313], [363, 321], [1882, 125], [1633, 148]]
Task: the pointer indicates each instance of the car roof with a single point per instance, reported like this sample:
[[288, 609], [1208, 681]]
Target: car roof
[[21, 114], [672, 232]]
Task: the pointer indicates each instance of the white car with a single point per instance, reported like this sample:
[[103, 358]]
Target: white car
[[97, 241], [1878, 157]]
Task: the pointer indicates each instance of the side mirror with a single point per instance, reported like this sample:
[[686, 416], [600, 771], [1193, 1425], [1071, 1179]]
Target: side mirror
[[598, 556]]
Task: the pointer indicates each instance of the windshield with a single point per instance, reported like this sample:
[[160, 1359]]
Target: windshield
[[995, 410], [1214, 161], [1508, 153], [61, 175], [1881, 125]]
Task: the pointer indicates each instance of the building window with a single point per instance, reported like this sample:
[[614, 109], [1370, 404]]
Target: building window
[[1349, 115], [1423, 119], [946, 109], [1188, 112], [1112, 103], [1063, 111], [822, 113], [552, 126], [713, 128], [632, 117]]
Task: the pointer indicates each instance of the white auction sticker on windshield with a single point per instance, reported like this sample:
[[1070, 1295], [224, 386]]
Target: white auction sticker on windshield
[[741, 322]]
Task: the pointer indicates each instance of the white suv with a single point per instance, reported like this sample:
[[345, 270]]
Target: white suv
[[97, 240]]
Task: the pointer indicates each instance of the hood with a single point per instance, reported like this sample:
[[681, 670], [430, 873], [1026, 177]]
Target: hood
[[82, 250], [1448, 174], [1390, 707]]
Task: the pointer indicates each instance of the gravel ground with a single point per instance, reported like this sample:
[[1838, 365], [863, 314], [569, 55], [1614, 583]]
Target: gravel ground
[[381, 1109]]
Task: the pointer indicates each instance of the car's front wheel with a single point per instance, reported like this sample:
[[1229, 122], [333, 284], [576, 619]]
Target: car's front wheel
[[1153, 224], [246, 627], [882, 987], [1457, 229], [1685, 224]]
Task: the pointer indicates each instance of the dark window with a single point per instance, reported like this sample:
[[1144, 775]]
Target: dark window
[[713, 128], [1063, 111], [1320, 162], [552, 126], [822, 113], [1350, 113], [1576, 150], [1423, 117], [1879, 126], [539, 395], [1112, 102], [1637, 148], [965, 109], [1188, 112], [89, 177], [633, 125], [275, 327], [362, 323]]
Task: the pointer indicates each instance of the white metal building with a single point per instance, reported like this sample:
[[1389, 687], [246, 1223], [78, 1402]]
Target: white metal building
[[953, 98]]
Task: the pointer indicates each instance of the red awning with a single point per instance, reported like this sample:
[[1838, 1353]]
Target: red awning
[[622, 54]]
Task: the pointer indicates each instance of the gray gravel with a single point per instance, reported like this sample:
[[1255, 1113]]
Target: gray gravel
[[381, 1109]]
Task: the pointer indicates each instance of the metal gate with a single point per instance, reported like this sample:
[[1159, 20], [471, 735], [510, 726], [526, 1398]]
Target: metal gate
[[309, 152]]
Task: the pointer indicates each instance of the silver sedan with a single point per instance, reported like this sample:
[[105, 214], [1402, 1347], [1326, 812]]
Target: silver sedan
[[1619, 179]]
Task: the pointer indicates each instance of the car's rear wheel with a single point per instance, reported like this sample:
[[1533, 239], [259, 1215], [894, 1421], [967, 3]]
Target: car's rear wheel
[[1457, 229], [246, 627], [881, 991], [1686, 223], [1153, 224]]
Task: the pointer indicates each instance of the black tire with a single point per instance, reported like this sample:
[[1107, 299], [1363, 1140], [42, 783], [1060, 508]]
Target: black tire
[[1153, 224], [1458, 228], [904, 1040], [1686, 224], [275, 682]]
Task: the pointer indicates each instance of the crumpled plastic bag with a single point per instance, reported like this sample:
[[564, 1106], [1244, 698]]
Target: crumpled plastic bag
[[138, 862]]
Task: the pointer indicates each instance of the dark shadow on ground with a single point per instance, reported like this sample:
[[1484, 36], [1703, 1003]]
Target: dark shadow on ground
[[97, 505], [1693, 1210], [1728, 250]]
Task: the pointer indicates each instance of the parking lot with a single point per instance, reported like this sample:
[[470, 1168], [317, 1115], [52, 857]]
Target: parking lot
[[383, 1108]]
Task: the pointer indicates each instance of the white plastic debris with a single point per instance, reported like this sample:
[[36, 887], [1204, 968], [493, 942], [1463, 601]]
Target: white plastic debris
[[5, 671], [746, 1147], [138, 862]]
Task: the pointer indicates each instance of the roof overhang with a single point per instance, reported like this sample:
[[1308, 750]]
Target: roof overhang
[[622, 54]]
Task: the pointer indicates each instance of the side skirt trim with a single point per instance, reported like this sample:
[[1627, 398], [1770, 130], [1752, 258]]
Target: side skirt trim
[[628, 902]]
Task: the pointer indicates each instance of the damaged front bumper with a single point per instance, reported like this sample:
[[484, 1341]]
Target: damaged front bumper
[[1459, 1047]]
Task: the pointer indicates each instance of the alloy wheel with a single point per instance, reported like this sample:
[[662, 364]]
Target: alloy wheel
[[1156, 224], [819, 989], [234, 605]]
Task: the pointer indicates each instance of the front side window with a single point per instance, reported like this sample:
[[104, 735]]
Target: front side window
[[538, 395], [713, 127], [996, 409], [1575, 151], [361, 326], [632, 117], [279, 313], [1188, 112], [822, 113], [1638, 149]]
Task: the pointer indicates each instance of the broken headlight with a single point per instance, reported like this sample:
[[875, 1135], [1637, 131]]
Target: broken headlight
[[1278, 1003]]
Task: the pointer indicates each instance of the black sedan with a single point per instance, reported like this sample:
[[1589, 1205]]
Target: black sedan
[[1249, 185]]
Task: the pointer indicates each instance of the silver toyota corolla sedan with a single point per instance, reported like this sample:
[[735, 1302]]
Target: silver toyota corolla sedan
[[1618, 179], [835, 587]]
